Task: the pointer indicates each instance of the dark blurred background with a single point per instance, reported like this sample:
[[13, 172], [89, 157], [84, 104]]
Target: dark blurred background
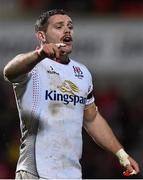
[[109, 41]]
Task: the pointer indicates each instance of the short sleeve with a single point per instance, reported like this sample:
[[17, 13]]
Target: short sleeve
[[23, 79], [90, 97]]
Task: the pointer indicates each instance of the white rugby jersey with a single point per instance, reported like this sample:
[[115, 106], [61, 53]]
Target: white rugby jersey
[[51, 101]]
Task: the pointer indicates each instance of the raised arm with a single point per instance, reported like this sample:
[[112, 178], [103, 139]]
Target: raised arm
[[21, 64], [24, 63]]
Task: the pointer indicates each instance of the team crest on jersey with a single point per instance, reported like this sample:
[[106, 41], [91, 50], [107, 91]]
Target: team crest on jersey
[[78, 72], [52, 71], [68, 87]]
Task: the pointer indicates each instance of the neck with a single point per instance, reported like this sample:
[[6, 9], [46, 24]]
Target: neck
[[63, 59]]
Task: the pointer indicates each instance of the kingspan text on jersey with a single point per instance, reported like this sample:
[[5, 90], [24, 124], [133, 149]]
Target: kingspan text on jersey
[[65, 98]]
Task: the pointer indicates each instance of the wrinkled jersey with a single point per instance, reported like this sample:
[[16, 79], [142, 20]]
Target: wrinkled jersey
[[51, 100]]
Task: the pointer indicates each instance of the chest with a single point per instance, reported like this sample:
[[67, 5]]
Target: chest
[[71, 80]]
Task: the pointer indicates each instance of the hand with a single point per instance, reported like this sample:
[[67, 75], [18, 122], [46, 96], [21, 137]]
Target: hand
[[51, 50], [127, 162], [132, 168]]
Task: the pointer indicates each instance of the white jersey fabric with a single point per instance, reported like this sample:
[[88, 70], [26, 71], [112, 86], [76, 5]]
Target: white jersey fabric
[[51, 100]]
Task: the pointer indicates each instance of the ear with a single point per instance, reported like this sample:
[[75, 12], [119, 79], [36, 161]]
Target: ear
[[41, 36]]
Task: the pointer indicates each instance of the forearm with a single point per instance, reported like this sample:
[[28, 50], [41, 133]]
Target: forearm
[[100, 131], [21, 64]]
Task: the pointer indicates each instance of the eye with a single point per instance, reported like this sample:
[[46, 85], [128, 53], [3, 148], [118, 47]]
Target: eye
[[58, 27], [70, 26]]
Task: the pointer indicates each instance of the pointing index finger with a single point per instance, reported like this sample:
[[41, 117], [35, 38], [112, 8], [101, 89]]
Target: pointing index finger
[[60, 45]]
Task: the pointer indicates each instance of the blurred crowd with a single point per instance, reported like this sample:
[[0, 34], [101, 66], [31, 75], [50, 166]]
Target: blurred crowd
[[104, 7], [125, 118], [9, 131], [125, 7]]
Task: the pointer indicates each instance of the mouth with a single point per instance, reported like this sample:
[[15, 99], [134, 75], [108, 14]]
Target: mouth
[[67, 40]]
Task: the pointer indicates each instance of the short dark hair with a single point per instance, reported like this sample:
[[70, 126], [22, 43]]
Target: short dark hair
[[42, 21]]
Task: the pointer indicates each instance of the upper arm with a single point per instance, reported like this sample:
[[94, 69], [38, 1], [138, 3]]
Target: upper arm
[[10, 68], [21, 65], [90, 112]]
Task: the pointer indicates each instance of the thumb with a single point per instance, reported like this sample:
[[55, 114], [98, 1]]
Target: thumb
[[129, 168]]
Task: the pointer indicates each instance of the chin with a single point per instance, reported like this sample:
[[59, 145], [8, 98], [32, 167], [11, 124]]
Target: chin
[[68, 50]]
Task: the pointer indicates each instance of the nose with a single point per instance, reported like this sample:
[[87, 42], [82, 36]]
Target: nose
[[67, 29]]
